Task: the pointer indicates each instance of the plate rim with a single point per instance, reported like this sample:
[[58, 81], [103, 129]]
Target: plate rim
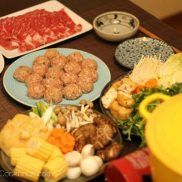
[[2, 63], [22, 102]]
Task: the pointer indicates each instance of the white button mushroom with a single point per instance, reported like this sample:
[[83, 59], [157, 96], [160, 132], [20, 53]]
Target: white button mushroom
[[89, 166], [73, 158], [88, 150], [73, 172], [99, 160]]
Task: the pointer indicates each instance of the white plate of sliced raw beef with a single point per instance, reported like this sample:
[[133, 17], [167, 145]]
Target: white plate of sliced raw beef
[[38, 27]]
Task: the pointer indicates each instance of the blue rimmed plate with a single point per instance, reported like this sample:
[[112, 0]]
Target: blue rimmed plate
[[18, 90], [129, 52]]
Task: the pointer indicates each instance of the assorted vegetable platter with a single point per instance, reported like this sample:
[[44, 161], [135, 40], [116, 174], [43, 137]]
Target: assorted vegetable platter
[[59, 143], [120, 99]]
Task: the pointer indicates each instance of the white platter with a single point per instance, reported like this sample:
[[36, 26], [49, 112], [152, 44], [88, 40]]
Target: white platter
[[1, 63], [52, 5]]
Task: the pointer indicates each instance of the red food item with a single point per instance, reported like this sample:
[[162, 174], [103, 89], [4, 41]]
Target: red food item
[[35, 28], [130, 168]]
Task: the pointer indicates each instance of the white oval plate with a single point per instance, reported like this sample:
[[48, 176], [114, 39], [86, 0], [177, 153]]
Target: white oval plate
[[52, 5], [1, 63]]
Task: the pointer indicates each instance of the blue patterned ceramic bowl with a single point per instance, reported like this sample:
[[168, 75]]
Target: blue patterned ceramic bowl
[[129, 52], [116, 25]]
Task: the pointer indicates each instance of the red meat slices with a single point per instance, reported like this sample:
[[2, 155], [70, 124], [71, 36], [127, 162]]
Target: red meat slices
[[36, 28]]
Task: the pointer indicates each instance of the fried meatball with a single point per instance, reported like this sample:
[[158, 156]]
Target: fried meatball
[[40, 69], [53, 72], [72, 91], [89, 74], [69, 78], [72, 67], [41, 60], [35, 90], [51, 53], [76, 57], [51, 82], [22, 73], [86, 86], [89, 63], [59, 61], [53, 94], [33, 78]]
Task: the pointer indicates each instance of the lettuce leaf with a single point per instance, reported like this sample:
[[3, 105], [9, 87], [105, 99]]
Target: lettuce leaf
[[171, 71]]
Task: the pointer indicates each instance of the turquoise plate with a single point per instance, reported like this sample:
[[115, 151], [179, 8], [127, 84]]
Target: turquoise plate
[[18, 90]]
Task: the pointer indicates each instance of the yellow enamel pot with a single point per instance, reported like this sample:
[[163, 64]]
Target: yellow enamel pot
[[164, 137]]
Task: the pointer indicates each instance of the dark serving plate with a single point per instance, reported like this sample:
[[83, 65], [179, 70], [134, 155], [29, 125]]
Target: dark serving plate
[[105, 89], [107, 111], [7, 167]]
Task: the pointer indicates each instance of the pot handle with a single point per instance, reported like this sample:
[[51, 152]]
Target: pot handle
[[143, 105]]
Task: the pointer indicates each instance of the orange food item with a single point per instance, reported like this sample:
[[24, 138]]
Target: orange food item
[[138, 89], [151, 83], [63, 140]]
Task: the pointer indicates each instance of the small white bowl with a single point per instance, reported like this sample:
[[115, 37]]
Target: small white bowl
[[115, 25]]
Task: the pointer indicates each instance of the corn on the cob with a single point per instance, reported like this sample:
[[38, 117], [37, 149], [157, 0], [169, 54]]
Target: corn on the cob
[[56, 153], [29, 168], [40, 149], [15, 154], [55, 169]]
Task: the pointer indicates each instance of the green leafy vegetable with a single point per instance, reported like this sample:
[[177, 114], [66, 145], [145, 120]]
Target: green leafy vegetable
[[45, 112], [135, 124], [171, 71]]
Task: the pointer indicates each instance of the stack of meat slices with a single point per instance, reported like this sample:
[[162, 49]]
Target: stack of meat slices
[[35, 28]]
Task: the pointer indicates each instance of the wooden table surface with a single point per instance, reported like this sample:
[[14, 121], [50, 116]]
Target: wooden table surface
[[89, 42]]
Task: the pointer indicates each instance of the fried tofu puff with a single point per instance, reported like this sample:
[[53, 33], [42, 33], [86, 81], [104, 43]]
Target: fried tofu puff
[[124, 100], [127, 85], [116, 84], [119, 111]]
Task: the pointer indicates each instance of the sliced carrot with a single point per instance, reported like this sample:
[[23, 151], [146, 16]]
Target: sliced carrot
[[64, 140], [152, 83], [138, 89]]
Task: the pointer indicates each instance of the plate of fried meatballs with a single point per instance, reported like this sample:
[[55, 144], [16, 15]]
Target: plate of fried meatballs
[[57, 76]]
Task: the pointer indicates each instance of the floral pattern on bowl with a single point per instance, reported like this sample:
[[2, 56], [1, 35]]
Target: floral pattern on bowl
[[116, 25]]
